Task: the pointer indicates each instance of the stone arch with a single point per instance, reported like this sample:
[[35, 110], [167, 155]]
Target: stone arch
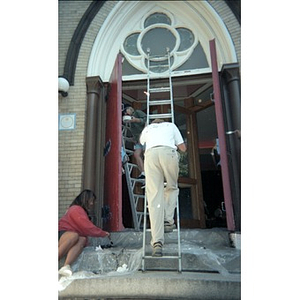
[[77, 38], [127, 17]]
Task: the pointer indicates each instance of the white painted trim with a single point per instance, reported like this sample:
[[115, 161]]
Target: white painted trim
[[126, 18]]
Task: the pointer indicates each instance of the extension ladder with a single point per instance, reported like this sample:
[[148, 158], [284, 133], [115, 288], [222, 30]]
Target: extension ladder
[[160, 91], [159, 62], [135, 198]]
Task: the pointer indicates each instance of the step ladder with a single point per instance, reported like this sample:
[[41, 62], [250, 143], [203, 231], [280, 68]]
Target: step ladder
[[132, 182], [151, 101]]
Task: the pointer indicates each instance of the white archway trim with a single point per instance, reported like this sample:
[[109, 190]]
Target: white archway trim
[[128, 17]]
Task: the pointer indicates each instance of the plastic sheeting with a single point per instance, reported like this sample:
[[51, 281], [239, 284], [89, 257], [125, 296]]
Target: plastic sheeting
[[108, 262], [202, 251]]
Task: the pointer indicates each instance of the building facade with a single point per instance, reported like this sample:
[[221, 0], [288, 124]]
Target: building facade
[[102, 64]]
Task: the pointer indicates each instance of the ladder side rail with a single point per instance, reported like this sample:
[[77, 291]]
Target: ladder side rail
[[177, 201], [144, 233], [148, 85], [125, 130], [178, 237], [170, 84]]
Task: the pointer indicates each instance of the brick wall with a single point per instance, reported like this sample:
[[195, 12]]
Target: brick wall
[[71, 143], [230, 22]]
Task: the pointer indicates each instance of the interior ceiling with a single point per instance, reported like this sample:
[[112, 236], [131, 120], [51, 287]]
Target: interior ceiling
[[183, 87], [198, 87]]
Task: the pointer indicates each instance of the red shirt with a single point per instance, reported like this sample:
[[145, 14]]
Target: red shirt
[[77, 220]]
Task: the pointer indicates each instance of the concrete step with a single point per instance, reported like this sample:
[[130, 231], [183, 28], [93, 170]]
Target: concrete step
[[156, 285], [201, 250], [193, 259], [208, 262], [216, 237]]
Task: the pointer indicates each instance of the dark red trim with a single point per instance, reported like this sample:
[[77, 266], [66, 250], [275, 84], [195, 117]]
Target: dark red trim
[[221, 136], [113, 168]]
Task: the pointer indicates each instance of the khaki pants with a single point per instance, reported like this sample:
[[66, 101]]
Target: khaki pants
[[161, 163]]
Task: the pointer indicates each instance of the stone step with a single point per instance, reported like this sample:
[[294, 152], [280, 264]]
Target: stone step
[[216, 237], [201, 251], [210, 268], [193, 259], [155, 285]]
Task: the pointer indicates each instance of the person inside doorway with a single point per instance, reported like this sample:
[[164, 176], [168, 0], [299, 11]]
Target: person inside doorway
[[137, 121], [74, 228], [162, 140]]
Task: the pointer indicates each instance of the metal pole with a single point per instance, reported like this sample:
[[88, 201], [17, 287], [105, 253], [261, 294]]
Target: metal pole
[[221, 136], [148, 86], [144, 233], [178, 237], [230, 84]]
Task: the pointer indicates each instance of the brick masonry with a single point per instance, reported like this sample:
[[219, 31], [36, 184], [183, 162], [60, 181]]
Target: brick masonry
[[71, 142]]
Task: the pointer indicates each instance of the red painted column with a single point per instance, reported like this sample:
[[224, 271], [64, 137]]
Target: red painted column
[[221, 136], [113, 168]]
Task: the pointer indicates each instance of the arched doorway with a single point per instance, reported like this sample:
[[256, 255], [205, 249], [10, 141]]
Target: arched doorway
[[186, 29]]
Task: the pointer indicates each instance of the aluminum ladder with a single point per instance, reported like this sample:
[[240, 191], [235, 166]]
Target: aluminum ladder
[[132, 182], [159, 62]]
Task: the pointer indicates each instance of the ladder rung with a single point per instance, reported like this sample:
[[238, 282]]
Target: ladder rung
[[128, 138], [139, 196], [160, 102], [129, 151], [158, 66], [174, 230], [137, 179], [132, 165], [160, 116], [162, 257], [158, 90], [158, 58], [141, 213]]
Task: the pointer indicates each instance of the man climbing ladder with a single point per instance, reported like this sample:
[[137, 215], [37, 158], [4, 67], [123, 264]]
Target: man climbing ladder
[[161, 163], [161, 140]]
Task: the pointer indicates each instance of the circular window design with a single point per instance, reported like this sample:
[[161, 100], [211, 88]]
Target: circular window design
[[157, 18], [130, 44], [166, 39], [187, 39], [158, 34]]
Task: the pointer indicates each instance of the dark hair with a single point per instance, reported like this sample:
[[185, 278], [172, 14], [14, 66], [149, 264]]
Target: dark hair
[[83, 198]]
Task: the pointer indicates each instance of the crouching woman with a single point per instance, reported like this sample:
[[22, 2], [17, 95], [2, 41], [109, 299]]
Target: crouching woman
[[74, 228]]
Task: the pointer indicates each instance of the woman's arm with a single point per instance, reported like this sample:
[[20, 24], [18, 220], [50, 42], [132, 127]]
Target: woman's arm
[[80, 220]]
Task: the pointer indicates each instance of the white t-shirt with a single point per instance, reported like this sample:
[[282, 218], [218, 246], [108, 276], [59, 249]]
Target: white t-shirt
[[161, 134]]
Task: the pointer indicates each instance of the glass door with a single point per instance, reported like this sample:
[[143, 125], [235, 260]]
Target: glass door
[[190, 196]]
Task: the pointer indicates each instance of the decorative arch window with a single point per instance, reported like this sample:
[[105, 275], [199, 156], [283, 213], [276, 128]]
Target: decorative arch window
[[159, 32]]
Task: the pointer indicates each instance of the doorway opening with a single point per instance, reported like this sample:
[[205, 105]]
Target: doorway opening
[[200, 181], [211, 169]]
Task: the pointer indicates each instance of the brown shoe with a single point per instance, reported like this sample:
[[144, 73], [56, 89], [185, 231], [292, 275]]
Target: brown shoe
[[169, 227], [157, 249]]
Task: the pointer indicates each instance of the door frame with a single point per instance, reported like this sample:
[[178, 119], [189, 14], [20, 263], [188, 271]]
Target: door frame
[[194, 180]]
